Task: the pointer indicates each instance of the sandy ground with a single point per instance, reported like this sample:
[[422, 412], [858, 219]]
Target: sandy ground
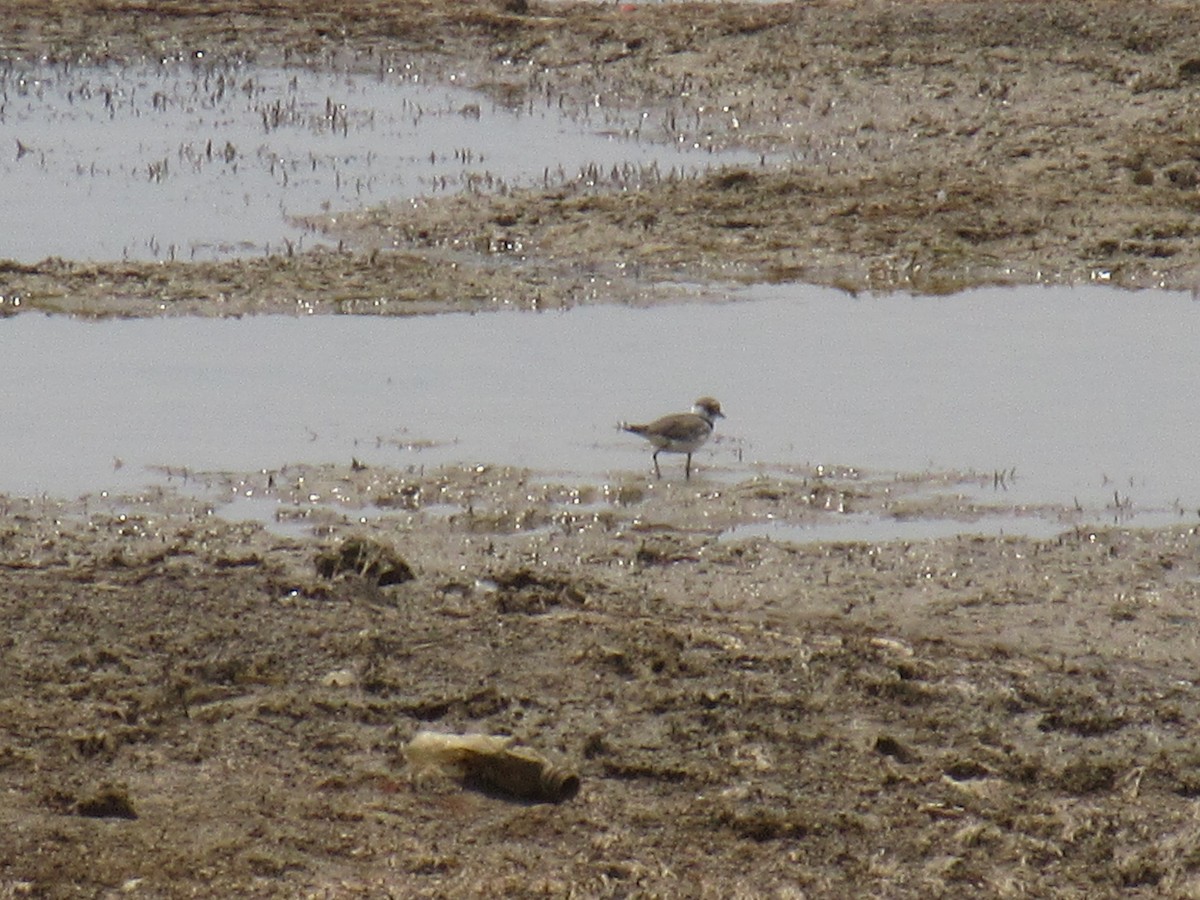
[[193, 706]]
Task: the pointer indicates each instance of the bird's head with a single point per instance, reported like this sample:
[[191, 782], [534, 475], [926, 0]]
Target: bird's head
[[709, 408]]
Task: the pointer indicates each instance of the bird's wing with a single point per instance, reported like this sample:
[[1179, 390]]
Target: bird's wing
[[677, 427]]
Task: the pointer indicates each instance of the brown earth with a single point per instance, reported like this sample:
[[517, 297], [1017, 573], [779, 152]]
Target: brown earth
[[194, 706], [913, 146]]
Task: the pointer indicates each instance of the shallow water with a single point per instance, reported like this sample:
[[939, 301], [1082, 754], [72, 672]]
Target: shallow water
[[1080, 395], [872, 529], [876, 529], [186, 160]]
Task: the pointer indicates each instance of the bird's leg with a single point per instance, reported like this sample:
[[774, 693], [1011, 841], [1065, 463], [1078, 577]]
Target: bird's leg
[[657, 470], [687, 469]]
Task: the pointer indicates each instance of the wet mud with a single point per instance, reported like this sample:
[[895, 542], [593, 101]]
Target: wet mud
[[195, 705], [200, 705], [926, 147]]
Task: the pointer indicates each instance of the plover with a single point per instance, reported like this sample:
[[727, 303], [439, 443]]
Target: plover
[[681, 432]]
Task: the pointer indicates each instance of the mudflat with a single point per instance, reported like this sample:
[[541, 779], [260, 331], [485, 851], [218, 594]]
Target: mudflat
[[194, 706], [906, 146]]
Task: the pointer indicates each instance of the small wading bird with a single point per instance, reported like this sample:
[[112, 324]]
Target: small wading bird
[[681, 432]]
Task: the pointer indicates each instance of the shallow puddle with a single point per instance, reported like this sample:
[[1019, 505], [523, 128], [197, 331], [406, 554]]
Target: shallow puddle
[[876, 530], [187, 160], [1079, 397]]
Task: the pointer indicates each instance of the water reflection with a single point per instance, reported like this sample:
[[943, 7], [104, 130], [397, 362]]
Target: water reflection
[[189, 161], [1078, 395]]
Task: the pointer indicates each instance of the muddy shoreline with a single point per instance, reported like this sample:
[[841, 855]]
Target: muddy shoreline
[[923, 147], [199, 706], [213, 705]]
